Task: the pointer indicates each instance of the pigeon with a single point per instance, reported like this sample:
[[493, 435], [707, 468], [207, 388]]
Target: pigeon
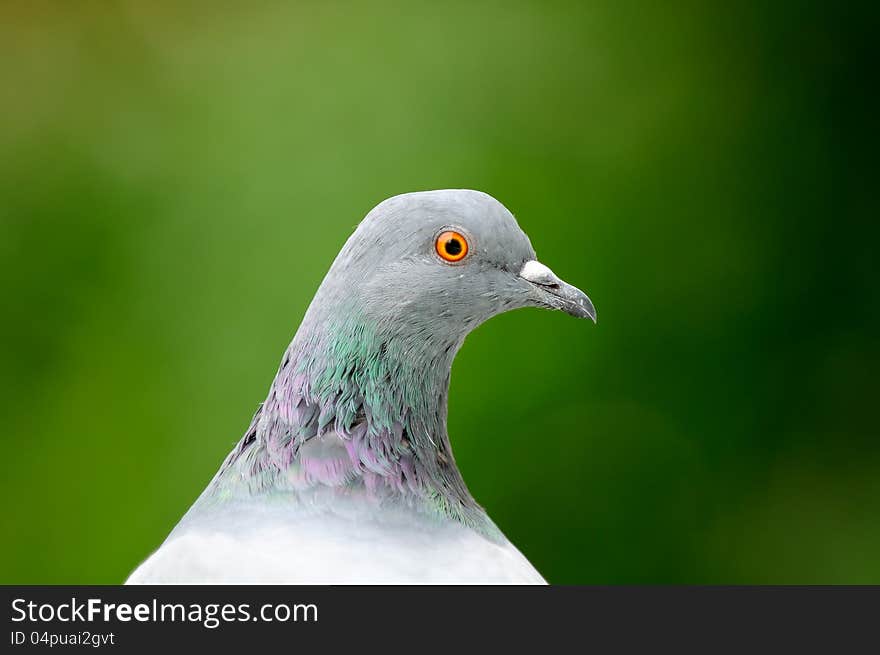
[[345, 474]]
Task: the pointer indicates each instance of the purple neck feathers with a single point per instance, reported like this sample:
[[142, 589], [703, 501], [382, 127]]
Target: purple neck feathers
[[356, 411]]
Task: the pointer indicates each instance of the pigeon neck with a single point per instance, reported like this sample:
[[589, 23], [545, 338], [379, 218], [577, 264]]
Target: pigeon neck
[[353, 407]]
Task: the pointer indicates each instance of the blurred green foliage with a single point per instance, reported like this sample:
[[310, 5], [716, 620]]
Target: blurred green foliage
[[175, 181]]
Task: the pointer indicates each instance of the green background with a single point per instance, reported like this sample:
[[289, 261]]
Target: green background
[[174, 183]]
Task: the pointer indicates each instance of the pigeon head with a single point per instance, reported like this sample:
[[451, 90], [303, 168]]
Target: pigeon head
[[361, 395], [432, 266]]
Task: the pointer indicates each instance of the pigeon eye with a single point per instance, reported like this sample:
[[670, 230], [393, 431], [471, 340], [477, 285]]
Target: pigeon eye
[[451, 246]]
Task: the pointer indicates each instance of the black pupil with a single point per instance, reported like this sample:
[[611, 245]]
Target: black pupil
[[453, 247]]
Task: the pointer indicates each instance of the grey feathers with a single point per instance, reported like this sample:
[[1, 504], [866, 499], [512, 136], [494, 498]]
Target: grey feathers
[[359, 402]]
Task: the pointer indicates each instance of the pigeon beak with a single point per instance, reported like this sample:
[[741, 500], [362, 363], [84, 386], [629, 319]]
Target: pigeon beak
[[556, 293]]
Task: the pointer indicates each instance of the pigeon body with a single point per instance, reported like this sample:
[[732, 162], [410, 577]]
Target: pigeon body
[[346, 474]]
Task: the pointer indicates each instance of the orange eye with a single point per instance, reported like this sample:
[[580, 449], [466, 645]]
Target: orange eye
[[451, 246]]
